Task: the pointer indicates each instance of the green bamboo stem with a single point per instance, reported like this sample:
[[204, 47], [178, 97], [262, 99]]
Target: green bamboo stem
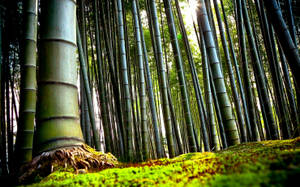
[[285, 39], [290, 94], [84, 118], [124, 73], [142, 82], [28, 85], [105, 21], [150, 92], [208, 97], [231, 75], [84, 115], [163, 79], [181, 77], [3, 130], [213, 27], [87, 89], [103, 102], [225, 106], [290, 20], [259, 74], [194, 78], [245, 67], [57, 107], [283, 114], [237, 70]]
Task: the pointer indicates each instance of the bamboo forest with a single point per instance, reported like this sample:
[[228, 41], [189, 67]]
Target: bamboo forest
[[149, 92]]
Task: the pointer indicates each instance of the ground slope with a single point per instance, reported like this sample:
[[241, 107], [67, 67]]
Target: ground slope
[[267, 163]]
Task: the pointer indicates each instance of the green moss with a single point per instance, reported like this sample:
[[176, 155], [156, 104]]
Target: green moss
[[79, 159], [275, 163]]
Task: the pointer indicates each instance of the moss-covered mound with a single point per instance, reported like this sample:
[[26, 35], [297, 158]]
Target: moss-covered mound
[[78, 159], [267, 163]]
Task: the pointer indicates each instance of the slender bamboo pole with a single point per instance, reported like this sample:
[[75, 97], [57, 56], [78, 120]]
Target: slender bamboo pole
[[163, 79], [83, 114], [8, 112], [208, 96], [106, 22], [28, 87], [103, 102], [150, 91], [260, 75], [237, 69], [2, 111], [87, 88], [290, 20], [284, 120], [142, 82], [181, 77], [124, 72], [290, 94], [194, 77], [231, 75], [285, 39], [225, 106]]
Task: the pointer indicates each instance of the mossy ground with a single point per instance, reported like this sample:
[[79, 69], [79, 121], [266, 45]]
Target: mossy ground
[[267, 163], [75, 159]]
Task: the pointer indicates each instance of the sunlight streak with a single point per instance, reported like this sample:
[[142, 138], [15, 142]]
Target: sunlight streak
[[193, 4]]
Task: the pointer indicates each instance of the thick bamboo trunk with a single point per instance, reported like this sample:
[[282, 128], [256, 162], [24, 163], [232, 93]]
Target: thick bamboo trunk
[[57, 108]]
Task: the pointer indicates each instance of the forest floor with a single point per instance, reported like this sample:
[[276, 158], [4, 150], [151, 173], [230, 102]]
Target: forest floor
[[266, 163]]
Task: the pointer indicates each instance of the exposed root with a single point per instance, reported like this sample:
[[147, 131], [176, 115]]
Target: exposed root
[[79, 159]]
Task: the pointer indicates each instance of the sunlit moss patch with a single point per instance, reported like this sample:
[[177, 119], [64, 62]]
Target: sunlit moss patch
[[264, 163]]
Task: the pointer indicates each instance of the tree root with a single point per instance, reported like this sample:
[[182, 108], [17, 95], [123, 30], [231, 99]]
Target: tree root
[[79, 159]]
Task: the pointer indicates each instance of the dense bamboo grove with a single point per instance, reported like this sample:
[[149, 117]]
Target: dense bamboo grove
[[146, 79]]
